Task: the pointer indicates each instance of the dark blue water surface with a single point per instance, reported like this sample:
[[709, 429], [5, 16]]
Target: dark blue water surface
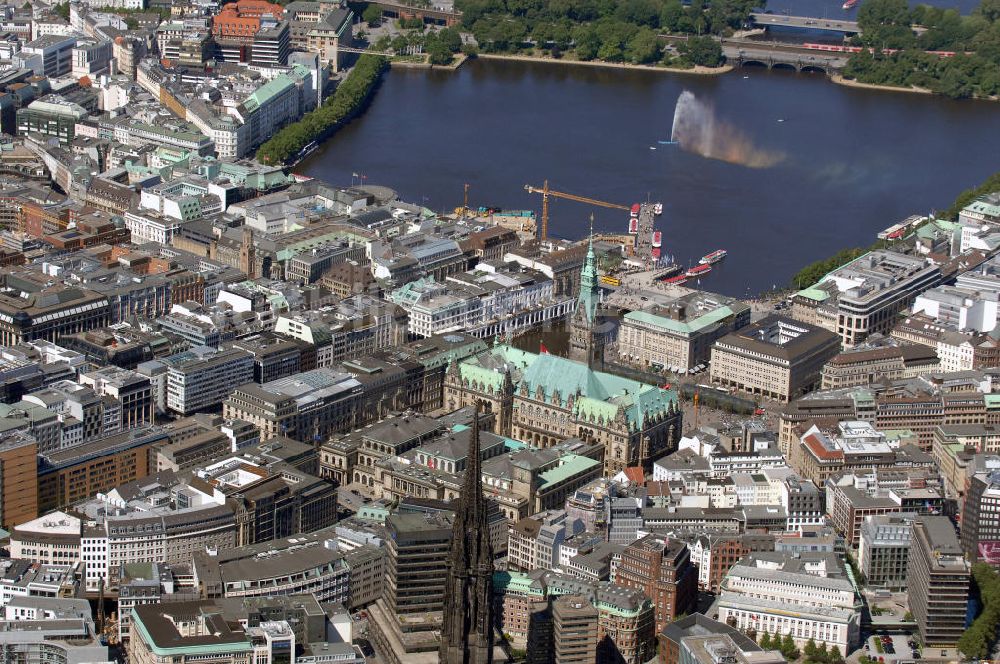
[[854, 161]]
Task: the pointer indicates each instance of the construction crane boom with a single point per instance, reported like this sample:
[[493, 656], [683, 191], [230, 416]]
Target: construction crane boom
[[546, 192]]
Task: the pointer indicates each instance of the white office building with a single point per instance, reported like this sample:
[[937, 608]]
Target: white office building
[[807, 595]]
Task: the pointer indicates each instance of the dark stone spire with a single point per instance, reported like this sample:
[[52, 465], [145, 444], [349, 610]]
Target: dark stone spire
[[467, 623]]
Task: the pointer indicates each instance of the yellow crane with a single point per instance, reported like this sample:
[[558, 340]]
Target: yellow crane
[[546, 192]]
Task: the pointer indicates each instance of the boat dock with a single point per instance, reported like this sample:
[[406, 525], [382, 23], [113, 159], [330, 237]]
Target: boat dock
[[671, 271], [644, 239]]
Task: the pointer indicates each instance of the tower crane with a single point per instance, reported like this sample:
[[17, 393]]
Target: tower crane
[[546, 192]]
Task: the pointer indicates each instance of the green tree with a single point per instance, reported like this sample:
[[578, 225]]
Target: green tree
[[674, 18], [835, 657], [639, 12], [643, 47], [765, 641], [724, 16], [611, 52], [451, 38], [810, 649], [988, 9], [588, 43], [703, 51], [348, 98], [699, 24], [438, 53], [886, 23], [372, 15], [788, 647], [978, 640], [399, 44], [953, 83], [813, 272]]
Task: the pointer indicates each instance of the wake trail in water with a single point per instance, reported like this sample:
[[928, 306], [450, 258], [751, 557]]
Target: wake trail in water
[[697, 129]]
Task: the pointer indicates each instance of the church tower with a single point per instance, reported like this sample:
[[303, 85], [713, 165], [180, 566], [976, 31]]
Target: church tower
[[467, 623], [583, 342], [248, 254]]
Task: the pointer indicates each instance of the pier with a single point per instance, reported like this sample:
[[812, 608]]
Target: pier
[[644, 240]]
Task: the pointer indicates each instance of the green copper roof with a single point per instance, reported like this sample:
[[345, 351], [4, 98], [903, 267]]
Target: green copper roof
[[515, 356], [375, 513], [588, 285], [898, 434], [701, 322], [599, 410], [983, 206], [864, 396], [477, 374], [931, 228], [596, 394], [815, 294], [569, 465], [516, 582], [601, 394], [266, 92], [410, 292], [618, 610]]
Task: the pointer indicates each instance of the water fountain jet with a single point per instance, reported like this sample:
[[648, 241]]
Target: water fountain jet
[[697, 129]]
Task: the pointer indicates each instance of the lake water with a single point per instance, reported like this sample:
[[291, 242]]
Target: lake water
[[846, 162]]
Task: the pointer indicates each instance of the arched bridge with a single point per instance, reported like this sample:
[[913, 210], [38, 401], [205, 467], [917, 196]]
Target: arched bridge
[[774, 55], [747, 52]]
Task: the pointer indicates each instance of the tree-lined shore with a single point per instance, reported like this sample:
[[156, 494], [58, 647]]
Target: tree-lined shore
[[349, 98]]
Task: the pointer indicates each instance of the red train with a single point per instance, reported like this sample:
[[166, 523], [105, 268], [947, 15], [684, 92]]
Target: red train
[[838, 48]]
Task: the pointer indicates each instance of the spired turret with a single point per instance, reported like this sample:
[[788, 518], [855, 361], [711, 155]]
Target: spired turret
[[467, 626]]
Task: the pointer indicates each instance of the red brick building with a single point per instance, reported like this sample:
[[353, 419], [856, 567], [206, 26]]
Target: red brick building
[[662, 569], [240, 21]]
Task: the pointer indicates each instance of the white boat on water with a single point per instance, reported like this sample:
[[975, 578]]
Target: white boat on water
[[714, 257]]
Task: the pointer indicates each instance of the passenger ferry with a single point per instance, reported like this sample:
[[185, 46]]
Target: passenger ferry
[[714, 257], [698, 270]]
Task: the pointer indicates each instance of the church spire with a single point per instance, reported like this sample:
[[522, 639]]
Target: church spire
[[467, 623]]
